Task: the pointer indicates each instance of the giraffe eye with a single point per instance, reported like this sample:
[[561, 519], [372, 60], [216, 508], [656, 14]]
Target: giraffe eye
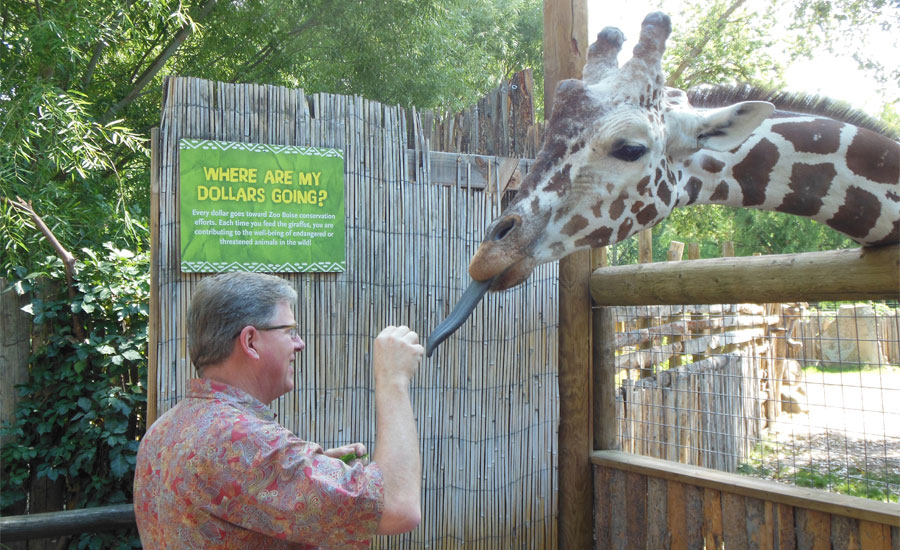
[[628, 152]]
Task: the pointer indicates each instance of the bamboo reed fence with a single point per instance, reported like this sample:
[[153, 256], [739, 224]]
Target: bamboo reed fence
[[486, 404]]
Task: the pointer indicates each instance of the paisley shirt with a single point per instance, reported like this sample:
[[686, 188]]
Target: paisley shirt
[[217, 471]]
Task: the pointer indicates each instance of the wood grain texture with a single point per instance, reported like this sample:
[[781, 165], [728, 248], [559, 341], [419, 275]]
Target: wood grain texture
[[854, 274]]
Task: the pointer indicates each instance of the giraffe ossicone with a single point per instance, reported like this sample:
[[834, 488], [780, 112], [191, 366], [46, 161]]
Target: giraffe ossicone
[[621, 151]]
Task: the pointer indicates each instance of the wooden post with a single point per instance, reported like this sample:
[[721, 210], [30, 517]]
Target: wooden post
[[153, 321], [728, 249], [674, 254], [565, 51], [645, 246], [15, 347]]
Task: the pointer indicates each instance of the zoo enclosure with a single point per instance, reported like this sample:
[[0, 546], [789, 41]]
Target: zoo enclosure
[[650, 503]]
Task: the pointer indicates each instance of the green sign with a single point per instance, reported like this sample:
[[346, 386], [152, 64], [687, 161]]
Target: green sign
[[256, 207]]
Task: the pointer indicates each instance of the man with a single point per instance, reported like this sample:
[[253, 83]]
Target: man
[[217, 471]]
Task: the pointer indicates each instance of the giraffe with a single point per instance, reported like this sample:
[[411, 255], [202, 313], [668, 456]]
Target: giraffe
[[621, 151]]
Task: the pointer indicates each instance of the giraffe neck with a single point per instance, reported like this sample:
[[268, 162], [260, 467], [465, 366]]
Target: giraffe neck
[[837, 174]]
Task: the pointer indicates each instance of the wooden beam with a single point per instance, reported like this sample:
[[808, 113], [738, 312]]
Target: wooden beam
[[70, 522], [855, 274], [565, 51], [800, 497]]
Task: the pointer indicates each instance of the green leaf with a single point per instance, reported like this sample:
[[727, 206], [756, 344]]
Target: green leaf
[[118, 466]]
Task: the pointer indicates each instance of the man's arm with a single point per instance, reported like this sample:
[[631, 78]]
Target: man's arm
[[396, 358]]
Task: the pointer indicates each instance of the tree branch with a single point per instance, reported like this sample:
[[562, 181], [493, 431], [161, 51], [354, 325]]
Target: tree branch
[[698, 47], [67, 258], [151, 71]]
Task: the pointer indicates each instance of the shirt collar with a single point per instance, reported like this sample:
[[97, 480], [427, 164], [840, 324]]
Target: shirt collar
[[204, 388]]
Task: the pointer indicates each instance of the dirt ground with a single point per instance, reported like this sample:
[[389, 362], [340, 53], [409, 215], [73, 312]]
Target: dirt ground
[[859, 429]]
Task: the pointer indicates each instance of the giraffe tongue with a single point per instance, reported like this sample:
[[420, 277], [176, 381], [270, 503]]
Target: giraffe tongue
[[460, 313]]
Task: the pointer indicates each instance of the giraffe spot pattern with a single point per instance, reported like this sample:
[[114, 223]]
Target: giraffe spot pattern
[[560, 183], [597, 208], [574, 225], [893, 196], [821, 136], [752, 173], [711, 165], [858, 214], [874, 157], [597, 238], [643, 186], [721, 192], [563, 212], [664, 193], [624, 229], [618, 206], [693, 187], [809, 183], [647, 215], [636, 207]]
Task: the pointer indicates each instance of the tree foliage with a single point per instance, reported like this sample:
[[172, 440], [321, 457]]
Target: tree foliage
[[82, 410], [80, 84], [732, 41]]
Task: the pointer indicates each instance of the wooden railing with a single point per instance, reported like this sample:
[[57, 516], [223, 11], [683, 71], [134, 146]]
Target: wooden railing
[[70, 522]]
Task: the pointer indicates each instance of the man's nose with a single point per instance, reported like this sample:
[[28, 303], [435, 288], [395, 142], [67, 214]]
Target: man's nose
[[299, 344]]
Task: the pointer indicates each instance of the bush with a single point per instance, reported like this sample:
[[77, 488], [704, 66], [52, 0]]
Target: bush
[[82, 411]]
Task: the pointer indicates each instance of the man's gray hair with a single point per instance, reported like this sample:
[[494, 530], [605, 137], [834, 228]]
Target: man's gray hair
[[224, 304]]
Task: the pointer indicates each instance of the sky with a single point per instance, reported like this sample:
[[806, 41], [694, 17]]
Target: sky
[[829, 75]]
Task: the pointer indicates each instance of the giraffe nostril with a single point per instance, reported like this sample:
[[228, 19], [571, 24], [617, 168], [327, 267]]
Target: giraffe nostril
[[504, 227]]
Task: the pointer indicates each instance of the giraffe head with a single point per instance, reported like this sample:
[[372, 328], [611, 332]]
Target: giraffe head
[[604, 171]]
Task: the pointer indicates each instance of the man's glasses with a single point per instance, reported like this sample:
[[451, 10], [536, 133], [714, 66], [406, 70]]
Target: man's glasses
[[292, 326]]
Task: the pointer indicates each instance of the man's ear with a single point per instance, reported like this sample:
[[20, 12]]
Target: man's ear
[[246, 342], [726, 128]]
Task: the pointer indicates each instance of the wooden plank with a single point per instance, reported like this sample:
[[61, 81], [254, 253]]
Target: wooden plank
[[785, 535], [801, 497], [677, 515], [693, 504], [874, 536], [713, 533], [760, 525], [813, 529], [657, 511], [854, 274], [734, 521], [619, 527], [602, 507], [636, 509], [845, 533]]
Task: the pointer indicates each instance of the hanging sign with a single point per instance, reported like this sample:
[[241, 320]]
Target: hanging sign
[[256, 207]]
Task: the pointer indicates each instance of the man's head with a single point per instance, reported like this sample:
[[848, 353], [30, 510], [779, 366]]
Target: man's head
[[224, 305]]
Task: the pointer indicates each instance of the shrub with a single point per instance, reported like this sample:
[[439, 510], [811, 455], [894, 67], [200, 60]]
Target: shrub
[[82, 411]]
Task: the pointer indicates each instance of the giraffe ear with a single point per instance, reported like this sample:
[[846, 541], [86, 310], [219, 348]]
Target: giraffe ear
[[726, 128]]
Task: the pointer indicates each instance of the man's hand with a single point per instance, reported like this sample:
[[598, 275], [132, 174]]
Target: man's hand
[[397, 355], [348, 453]]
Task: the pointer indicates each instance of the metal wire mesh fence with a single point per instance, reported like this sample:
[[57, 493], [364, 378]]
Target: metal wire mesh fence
[[798, 393]]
